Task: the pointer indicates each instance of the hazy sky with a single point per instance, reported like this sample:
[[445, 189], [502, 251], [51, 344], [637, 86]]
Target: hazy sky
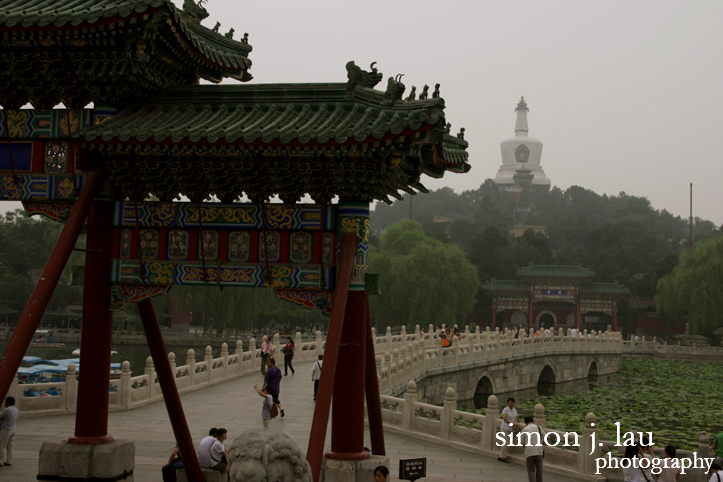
[[625, 95]]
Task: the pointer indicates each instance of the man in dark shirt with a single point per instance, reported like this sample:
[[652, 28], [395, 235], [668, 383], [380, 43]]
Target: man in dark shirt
[[273, 380]]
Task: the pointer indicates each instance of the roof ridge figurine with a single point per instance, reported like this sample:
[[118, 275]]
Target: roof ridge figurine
[[425, 93], [194, 11], [357, 76]]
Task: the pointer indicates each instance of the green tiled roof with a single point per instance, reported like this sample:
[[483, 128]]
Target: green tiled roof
[[106, 50], [553, 271], [604, 289], [268, 113], [499, 286]]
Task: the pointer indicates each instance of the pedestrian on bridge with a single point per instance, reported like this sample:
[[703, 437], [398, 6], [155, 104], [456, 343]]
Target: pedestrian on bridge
[[509, 425], [273, 380], [288, 351], [316, 374], [534, 453], [8, 418]]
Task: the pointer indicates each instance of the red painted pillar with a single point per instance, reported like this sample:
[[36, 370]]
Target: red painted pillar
[[615, 317], [494, 315], [531, 314], [38, 302], [577, 313], [374, 404], [91, 421], [347, 415], [167, 380], [315, 452]]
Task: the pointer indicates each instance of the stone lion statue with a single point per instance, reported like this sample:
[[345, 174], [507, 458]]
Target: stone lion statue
[[261, 455]]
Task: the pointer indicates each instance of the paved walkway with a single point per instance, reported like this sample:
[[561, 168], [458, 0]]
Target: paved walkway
[[235, 406]]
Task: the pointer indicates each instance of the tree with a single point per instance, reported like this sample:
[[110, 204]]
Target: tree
[[694, 291], [422, 280]]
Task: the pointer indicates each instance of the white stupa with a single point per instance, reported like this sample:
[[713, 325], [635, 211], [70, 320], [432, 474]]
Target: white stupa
[[521, 150]]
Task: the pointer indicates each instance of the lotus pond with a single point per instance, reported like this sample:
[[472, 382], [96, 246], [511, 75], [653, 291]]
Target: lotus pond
[[673, 400]]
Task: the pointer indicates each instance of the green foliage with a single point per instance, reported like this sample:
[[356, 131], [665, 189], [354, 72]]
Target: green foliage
[[25, 245], [673, 400], [694, 291], [621, 238], [422, 280]]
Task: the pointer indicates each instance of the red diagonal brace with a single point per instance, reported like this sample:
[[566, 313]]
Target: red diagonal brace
[[39, 299], [315, 453], [167, 380], [371, 389]]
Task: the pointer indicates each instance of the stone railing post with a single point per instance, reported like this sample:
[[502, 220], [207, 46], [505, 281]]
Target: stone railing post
[[438, 346], [378, 359], [299, 341], [404, 334], [396, 377], [71, 386], [489, 430], [410, 360], [389, 338], [172, 362], [191, 362], [410, 398], [252, 354], [415, 358], [703, 452], [431, 332], [421, 357], [455, 348], [416, 332], [403, 364], [388, 367], [125, 384], [319, 344], [208, 358], [540, 416], [277, 347], [588, 453], [450, 404], [150, 372], [224, 357], [239, 350]]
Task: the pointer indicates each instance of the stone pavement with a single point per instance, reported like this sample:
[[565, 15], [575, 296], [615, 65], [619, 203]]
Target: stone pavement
[[235, 406]]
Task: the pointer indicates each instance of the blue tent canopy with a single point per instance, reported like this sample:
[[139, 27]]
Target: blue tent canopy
[[32, 359], [41, 369]]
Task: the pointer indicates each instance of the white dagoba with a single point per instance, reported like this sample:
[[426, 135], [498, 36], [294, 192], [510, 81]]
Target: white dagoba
[[520, 151]]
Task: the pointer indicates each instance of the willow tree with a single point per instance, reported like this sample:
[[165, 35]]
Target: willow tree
[[694, 291], [421, 279]]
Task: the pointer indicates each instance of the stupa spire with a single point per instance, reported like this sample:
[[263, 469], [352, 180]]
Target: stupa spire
[[521, 124]]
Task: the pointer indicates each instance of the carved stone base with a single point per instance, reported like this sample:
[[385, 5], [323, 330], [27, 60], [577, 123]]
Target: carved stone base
[[61, 461]]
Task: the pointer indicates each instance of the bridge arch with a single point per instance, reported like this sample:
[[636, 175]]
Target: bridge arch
[[593, 371], [546, 317], [485, 387], [547, 379]]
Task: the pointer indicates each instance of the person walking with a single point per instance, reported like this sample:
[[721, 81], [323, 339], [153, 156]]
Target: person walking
[[668, 473], [534, 452], [267, 406], [717, 446], [267, 351], [632, 471], [288, 350], [8, 418], [273, 380], [316, 374], [509, 425], [715, 473]]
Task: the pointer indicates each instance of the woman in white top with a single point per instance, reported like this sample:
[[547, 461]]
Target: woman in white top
[[212, 453], [646, 452], [632, 471]]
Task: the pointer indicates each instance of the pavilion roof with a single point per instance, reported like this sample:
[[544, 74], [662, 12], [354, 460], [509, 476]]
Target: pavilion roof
[[495, 286], [604, 289], [555, 271], [107, 50], [271, 113]]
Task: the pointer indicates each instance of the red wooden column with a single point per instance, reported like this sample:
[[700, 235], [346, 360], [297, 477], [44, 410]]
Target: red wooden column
[[494, 315], [374, 405], [615, 317], [347, 415], [91, 421], [577, 313], [319, 423], [38, 302], [531, 315], [167, 380]]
